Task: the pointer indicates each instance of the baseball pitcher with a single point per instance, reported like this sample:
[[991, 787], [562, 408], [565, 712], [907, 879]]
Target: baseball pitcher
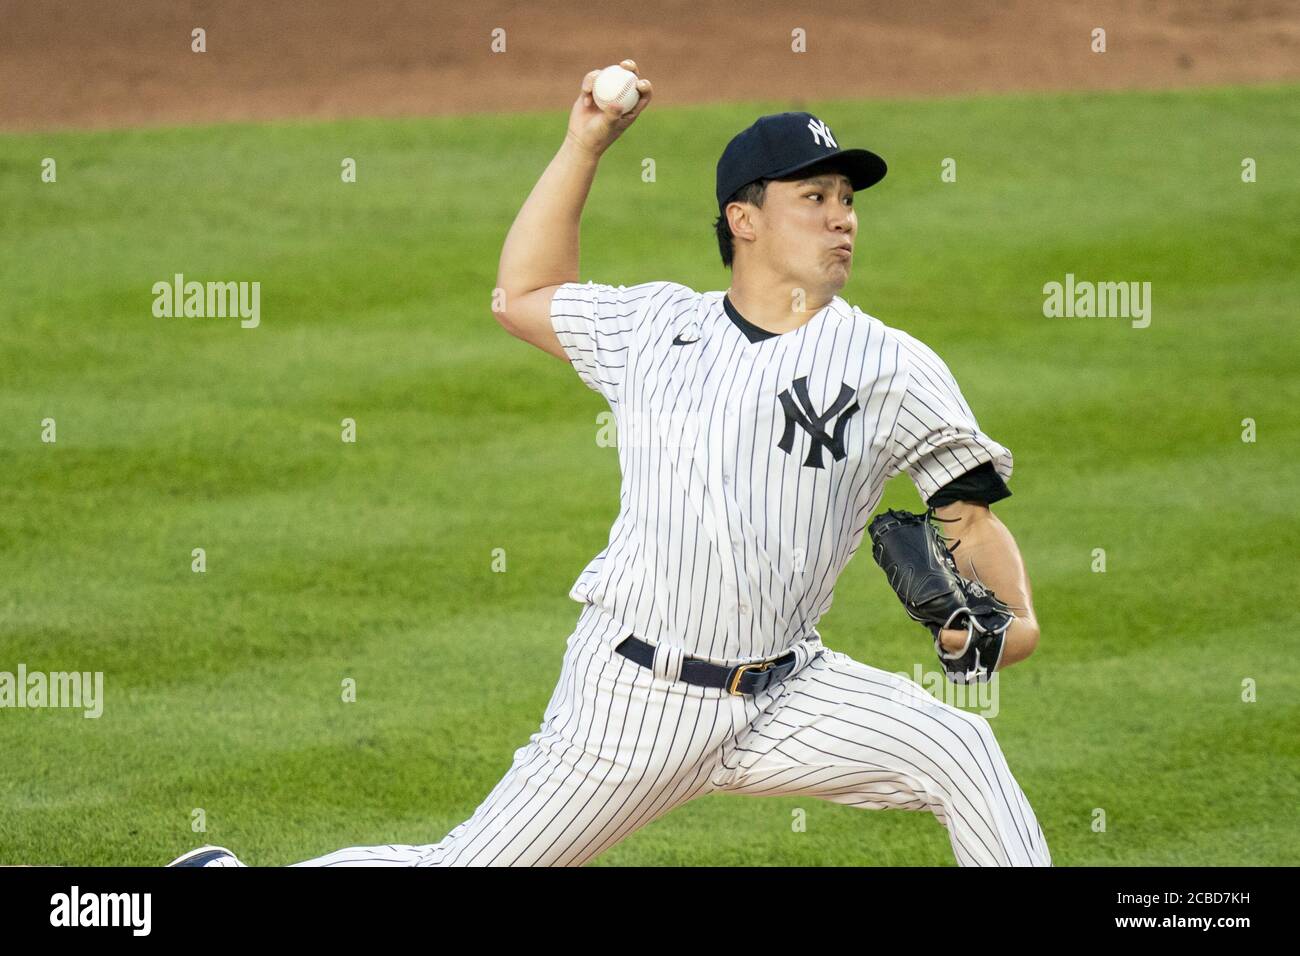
[[757, 429]]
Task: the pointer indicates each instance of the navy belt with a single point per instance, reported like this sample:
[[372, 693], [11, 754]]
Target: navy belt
[[742, 679]]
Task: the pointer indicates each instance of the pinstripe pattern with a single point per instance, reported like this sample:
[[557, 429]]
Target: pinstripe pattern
[[727, 546], [620, 747], [854, 734]]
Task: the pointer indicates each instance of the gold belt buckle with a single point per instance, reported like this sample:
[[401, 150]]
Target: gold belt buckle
[[740, 672]]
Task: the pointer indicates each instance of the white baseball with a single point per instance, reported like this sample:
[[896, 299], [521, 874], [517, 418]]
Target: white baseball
[[615, 86]]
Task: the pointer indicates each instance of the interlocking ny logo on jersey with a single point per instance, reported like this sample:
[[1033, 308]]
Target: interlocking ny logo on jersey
[[799, 411]]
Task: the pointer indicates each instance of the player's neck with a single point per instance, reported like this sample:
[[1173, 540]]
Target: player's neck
[[773, 307]]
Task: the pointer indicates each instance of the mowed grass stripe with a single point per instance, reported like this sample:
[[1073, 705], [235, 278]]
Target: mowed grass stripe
[[374, 561]]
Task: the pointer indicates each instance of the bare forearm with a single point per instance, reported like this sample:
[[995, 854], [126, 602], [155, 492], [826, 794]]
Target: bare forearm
[[986, 552], [541, 248]]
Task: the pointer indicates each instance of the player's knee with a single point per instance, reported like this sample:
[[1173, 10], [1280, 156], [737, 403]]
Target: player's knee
[[980, 732], [978, 722]]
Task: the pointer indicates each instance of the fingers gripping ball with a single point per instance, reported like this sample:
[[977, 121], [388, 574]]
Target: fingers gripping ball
[[616, 87], [923, 573]]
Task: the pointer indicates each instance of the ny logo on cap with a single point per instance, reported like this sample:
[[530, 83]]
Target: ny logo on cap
[[822, 132], [814, 423]]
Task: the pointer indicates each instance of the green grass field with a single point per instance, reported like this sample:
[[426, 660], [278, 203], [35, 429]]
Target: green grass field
[[372, 560]]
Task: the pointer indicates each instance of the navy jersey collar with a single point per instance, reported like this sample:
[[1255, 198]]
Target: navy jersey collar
[[752, 331]]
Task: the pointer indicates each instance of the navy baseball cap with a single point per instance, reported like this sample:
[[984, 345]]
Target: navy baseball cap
[[781, 144]]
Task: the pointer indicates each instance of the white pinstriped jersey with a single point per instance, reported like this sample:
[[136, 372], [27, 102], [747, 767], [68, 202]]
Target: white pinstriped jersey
[[751, 468]]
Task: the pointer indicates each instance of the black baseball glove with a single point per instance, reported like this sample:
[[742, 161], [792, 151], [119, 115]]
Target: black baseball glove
[[921, 569]]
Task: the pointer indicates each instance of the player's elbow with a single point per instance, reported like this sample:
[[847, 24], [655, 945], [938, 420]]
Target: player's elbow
[[502, 296], [1021, 640], [1028, 636], [507, 323]]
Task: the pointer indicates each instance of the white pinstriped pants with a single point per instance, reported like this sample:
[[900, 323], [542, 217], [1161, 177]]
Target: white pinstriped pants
[[621, 745]]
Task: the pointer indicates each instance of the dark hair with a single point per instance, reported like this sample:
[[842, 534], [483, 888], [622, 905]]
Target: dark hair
[[750, 193], [754, 193]]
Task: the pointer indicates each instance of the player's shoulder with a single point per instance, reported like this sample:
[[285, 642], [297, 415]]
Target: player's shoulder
[[640, 292], [910, 348], [910, 356], [626, 306], [666, 293]]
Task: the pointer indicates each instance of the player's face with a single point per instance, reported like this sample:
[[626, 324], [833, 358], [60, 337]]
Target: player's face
[[803, 227]]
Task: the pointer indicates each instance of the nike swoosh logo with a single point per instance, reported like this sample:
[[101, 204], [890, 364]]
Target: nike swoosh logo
[[678, 340]]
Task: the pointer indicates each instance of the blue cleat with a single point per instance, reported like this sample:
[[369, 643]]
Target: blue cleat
[[207, 856]]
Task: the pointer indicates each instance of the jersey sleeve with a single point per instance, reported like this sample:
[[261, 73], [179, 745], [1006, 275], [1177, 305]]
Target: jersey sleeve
[[596, 325], [936, 438], [982, 483]]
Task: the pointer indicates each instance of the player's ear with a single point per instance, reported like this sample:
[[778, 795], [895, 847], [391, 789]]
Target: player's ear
[[740, 220]]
